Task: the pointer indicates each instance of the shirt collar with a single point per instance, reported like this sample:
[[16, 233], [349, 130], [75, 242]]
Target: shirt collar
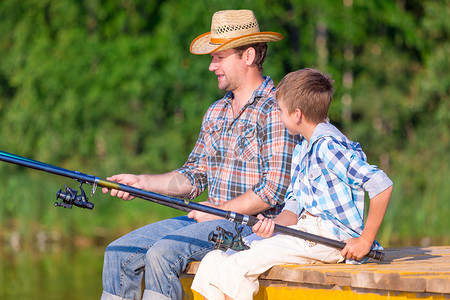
[[328, 130], [262, 91], [323, 130]]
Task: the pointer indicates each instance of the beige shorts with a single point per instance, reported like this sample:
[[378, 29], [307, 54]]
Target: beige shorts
[[236, 273]]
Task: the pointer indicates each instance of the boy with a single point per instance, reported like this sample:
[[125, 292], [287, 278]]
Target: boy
[[329, 175]]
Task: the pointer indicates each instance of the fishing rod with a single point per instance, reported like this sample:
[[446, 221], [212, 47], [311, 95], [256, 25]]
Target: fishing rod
[[70, 197]]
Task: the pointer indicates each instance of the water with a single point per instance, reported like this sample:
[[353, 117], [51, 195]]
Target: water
[[68, 273]]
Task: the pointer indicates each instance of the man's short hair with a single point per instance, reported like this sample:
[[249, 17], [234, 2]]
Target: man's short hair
[[260, 53], [309, 90]]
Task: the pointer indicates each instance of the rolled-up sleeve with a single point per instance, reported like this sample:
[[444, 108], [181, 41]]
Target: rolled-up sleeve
[[353, 170], [290, 203], [195, 168], [377, 184], [276, 153]]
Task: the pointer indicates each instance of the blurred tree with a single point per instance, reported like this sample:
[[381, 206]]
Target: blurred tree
[[110, 86]]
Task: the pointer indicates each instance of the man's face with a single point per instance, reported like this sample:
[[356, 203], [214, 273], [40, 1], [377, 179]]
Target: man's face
[[229, 68], [290, 120]]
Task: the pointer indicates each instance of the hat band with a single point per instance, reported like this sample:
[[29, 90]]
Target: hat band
[[219, 41]]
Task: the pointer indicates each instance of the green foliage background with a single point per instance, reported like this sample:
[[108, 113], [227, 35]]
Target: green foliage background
[[106, 87]]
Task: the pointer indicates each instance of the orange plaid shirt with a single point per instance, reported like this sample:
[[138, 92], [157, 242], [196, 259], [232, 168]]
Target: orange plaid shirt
[[250, 151]]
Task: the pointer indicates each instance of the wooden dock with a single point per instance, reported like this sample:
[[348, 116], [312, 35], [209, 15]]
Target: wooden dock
[[405, 273]]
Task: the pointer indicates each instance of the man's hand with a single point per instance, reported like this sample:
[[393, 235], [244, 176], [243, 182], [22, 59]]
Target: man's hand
[[201, 216], [356, 248], [128, 179], [265, 227]]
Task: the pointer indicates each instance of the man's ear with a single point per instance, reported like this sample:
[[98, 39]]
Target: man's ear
[[250, 55]]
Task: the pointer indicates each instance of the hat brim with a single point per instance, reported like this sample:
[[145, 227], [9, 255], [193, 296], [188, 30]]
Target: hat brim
[[202, 45]]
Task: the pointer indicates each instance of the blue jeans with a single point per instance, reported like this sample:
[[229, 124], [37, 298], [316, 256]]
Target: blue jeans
[[163, 249]]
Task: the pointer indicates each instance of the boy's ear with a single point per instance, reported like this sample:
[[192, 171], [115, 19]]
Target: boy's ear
[[298, 114]]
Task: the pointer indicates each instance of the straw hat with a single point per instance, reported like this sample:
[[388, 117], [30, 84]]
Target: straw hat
[[231, 29]]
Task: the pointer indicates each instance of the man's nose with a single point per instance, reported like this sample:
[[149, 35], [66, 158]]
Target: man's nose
[[213, 66]]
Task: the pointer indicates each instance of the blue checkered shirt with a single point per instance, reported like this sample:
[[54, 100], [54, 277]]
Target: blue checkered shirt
[[328, 178]]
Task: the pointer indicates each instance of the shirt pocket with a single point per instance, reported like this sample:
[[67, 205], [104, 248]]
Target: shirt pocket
[[212, 132], [246, 147], [317, 181]]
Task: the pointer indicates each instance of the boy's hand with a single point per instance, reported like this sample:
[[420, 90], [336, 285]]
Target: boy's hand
[[200, 216], [356, 248], [265, 227]]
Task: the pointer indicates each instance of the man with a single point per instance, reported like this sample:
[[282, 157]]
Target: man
[[242, 156]]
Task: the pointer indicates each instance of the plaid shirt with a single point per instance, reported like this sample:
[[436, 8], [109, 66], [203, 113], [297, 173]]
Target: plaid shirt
[[328, 178], [236, 153]]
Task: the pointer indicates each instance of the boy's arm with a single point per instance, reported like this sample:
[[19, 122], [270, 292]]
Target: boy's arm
[[265, 226], [357, 248]]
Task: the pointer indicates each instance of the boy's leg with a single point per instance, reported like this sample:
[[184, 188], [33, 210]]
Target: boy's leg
[[237, 275], [124, 258], [169, 256], [208, 266]]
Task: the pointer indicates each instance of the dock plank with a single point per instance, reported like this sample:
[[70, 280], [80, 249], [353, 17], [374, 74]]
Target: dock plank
[[409, 269], [419, 270]]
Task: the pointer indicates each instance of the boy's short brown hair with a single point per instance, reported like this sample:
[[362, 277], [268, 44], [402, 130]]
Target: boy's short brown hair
[[309, 90]]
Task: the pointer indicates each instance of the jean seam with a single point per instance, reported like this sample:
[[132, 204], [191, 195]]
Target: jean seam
[[187, 258], [122, 274]]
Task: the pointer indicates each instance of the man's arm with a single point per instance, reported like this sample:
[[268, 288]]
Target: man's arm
[[248, 203], [172, 184], [356, 248]]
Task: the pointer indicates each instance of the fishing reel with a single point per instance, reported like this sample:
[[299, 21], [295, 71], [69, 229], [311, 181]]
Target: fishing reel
[[70, 197], [225, 240]]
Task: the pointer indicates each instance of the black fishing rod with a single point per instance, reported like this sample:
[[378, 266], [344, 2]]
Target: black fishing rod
[[70, 197]]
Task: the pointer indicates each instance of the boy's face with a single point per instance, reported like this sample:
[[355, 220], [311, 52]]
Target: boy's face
[[290, 120]]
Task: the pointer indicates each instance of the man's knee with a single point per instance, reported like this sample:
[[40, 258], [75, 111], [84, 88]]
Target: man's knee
[[161, 253]]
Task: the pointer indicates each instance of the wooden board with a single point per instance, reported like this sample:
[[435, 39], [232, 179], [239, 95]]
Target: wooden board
[[416, 270]]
